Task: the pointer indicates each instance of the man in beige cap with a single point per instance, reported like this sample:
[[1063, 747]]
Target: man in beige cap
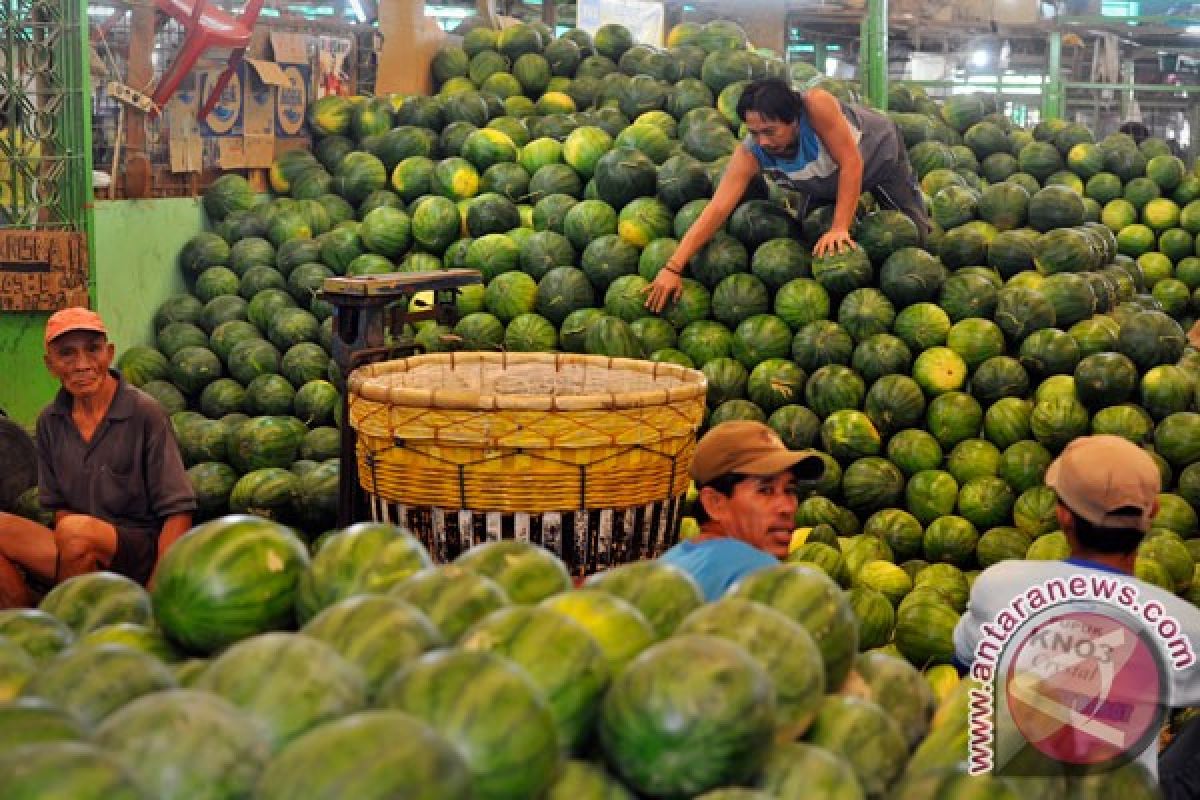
[[747, 481], [108, 467], [1107, 490]]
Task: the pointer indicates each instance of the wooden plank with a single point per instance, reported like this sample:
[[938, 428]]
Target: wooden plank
[[42, 270]]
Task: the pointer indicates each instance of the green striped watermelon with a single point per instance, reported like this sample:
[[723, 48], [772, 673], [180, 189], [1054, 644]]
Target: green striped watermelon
[[491, 711], [39, 634], [808, 596], [65, 769], [288, 682], [369, 755], [227, 579], [572, 682], [365, 558], [798, 769], [663, 593], [184, 744], [147, 639], [781, 647], [29, 720], [691, 714], [865, 736], [379, 634], [526, 572], [454, 598], [86, 602], [583, 780], [93, 681], [617, 626]]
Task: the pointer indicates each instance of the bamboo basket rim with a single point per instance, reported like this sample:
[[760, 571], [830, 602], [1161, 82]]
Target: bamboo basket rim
[[383, 382]]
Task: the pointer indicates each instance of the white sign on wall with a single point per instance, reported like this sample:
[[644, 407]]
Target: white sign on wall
[[645, 20]]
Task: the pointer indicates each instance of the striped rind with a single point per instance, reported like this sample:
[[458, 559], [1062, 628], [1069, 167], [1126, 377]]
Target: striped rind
[[583, 780], [371, 755], [619, 628], [526, 572], [16, 668], [184, 744], [228, 579], [289, 682], [808, 596], [559, 656], [31, 720], [688, 715], [42, 635], [93, 681], [378, 633], [88, 601], [663, 593], [74, 770], [796, 769], [364, 558], [865, 736], [491, 711], [454, 598], [782, 647]]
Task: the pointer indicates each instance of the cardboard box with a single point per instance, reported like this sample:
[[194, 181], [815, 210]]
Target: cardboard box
[[264, 101]]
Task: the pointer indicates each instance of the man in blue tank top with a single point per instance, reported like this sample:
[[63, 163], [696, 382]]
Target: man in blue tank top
[[747, 480], [811, 143]]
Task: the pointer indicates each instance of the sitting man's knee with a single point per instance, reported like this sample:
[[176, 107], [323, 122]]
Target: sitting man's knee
[[74, 526], [72, 549]]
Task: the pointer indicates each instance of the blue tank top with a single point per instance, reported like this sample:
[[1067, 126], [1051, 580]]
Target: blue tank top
[[812, 170]]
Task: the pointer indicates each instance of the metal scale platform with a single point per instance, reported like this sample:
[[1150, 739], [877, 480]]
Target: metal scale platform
[[370, 313]]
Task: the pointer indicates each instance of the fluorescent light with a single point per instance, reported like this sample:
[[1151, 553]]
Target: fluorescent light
[[357, 8], [980, 58]]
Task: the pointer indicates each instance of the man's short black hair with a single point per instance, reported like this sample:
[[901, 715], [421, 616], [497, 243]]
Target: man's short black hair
[[774, 99], [1099, 539], [1135, 129], [725, 485]]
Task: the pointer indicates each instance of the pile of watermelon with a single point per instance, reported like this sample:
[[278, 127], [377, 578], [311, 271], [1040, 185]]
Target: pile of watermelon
[[254, 670], [938, 379]]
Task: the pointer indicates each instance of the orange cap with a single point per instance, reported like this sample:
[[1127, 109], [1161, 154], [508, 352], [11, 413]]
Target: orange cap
[[73, 319], [745, 447], [1107, 480]]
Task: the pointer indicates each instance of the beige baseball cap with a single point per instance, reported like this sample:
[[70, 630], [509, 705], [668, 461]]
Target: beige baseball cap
[[1107, 480], [745, 447]]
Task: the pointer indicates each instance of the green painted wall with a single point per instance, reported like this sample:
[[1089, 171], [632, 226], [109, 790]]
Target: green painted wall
[[135, 269]]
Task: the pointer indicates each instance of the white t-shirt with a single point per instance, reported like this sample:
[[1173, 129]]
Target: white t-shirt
[[997, 587]]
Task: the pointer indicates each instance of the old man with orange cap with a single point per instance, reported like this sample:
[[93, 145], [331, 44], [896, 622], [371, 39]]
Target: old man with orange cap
[[108, 467]]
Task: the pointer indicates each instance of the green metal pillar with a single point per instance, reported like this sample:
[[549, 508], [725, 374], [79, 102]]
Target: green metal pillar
[[819, 55], [1052, 97], [864, 56], [877, 53]]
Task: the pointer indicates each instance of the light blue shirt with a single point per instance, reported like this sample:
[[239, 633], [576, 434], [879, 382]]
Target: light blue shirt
[[717, 564]]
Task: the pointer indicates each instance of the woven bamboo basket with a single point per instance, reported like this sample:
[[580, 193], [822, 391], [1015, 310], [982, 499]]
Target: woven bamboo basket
[[585, 455]]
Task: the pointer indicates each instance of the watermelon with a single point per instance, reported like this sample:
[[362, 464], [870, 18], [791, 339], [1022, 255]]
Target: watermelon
[[89, 601], [452, 597], [455, 691], [39, 634], [321, 684], [379, 634], [862, 733], [812, 599], [737, 721], [583, 780], [84, 680], [65, 769], [370, 754], [250, 588], [663, 593], [573, 684], [924, 631], [220, 755], [797, 769]]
